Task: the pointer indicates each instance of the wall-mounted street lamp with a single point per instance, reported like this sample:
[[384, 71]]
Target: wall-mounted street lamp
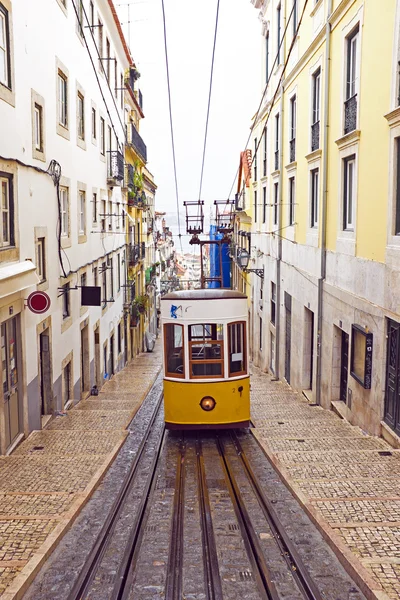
[[243, 260]]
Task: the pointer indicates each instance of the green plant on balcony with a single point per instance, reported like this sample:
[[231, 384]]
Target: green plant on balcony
[[140, 303]]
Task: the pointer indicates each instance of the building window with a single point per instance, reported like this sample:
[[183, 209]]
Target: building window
[[62, 99], [66, 301], [6, 211], [349, 165], [41, 260], [315, 125], [350, 105], [276, 142], [102, 136], [261, 334], [119, 338], [111, 266], [397, 207], [104, 283], [278, 33], [276, 199], [255, 159], [361, 355], [122, 90], [79, 23], [115, 77], [94, 208], [83, 280], [314, 196], [67, 382], [91, 12], [292, 196], [273, 302], [118, 272], [5, 78], [292, 141], [265, 153], [100, 43], [295, 17], [267, 57], [264, 203], [103, 215], [94, 124], [64, 211], [110, 216], [108, 59], [95, 277], [38, 127], [82, 212], [81, 116], [255, 206]]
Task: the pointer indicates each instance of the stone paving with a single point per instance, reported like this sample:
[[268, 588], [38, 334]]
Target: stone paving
[[50, 476], [348, 482]]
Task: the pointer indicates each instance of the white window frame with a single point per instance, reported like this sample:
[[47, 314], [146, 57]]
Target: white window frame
[[38, 131], [95, 208], [62, 100], [349, 192], [316, 97], [102, 136], [314, 197], [80, 100], [41, 259], [293, 117], [4, 48], [352, 67], [110, 218], [5, 208], [64, 209], [292, 200], [82, 212]]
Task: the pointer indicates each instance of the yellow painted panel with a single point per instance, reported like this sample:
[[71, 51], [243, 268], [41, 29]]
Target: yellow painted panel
[[182, 402]]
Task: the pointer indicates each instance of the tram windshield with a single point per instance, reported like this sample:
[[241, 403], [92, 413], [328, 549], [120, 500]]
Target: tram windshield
[[173, 348], [206, 350], [237, 348]]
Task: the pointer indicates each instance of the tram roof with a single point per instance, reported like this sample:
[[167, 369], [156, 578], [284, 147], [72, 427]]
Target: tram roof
[[204, 294]]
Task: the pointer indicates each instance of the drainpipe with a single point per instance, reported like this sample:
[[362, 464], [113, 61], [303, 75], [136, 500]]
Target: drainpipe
[[324, 201], [279, 252]]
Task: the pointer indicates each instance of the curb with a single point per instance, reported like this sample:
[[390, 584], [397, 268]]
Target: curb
[[367, 584]]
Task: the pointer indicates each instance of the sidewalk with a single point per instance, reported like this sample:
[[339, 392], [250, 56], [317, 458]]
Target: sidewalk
[[52, 474], [348, 482]]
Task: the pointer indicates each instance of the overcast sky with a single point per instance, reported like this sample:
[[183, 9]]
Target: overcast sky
[[235, 95]]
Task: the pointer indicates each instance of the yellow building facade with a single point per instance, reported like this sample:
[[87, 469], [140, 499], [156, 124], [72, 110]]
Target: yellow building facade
[[326, 316]]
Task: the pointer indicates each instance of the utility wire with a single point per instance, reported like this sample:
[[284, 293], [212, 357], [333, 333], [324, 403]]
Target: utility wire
[[268, 81], [171, 125], [209, 99]]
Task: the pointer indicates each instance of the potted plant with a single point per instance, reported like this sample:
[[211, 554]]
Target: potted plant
[[140, 303]]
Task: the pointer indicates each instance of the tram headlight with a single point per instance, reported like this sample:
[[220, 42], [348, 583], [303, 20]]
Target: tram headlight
[[207, 403]]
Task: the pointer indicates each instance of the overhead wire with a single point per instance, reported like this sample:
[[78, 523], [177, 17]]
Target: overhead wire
[[209, 98], [171, 123]]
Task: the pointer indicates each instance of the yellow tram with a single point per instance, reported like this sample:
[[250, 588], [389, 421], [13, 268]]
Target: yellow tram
[[206, 366]]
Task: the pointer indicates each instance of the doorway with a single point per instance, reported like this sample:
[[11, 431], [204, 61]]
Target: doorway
[[344, 366], [10, 364], [46, 388], [85, 367], [288, 334], [308, 353], [392, 389], [97, 357], [111, 369]]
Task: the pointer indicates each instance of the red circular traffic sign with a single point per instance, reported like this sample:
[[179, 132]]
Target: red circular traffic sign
[[38, 302]]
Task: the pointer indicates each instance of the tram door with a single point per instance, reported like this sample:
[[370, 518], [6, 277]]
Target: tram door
[[392, 392], [9, 364]]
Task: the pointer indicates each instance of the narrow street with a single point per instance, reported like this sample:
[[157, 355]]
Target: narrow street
[[346, 485]]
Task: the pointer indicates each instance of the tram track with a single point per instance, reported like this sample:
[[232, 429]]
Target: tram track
[[83, 584]]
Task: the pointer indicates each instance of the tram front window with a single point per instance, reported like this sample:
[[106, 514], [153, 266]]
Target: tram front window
[[173, 348], [237, 348], [206, 350]]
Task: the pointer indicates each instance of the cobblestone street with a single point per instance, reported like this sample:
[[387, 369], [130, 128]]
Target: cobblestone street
[[51, 475], [348, 482]]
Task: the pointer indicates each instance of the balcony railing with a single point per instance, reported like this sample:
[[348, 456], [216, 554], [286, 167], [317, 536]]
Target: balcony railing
[[115, 165], [143, 250], [350, 114], [315, 136], [129, 172], [138, 143], [133, 254], [292, 149], [137, 199]]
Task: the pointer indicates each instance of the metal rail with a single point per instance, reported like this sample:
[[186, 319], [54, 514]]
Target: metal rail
[[299, 571], [173, 586], [86, 576], [260, 568], [213, 586]]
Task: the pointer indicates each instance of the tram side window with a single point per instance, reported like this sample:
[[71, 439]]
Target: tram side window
[[237, 348], [173, 348], [206, 350]]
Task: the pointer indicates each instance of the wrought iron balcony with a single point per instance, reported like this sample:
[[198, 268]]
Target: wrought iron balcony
[[276, 160], [138, 144], [350, 114], [133, 254], [239, 202], [315, 136], [143, 250], [115, 165], [129, 171], [292, 149], [137, 199]]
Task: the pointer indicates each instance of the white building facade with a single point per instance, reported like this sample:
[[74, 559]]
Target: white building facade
[[60, 100]]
